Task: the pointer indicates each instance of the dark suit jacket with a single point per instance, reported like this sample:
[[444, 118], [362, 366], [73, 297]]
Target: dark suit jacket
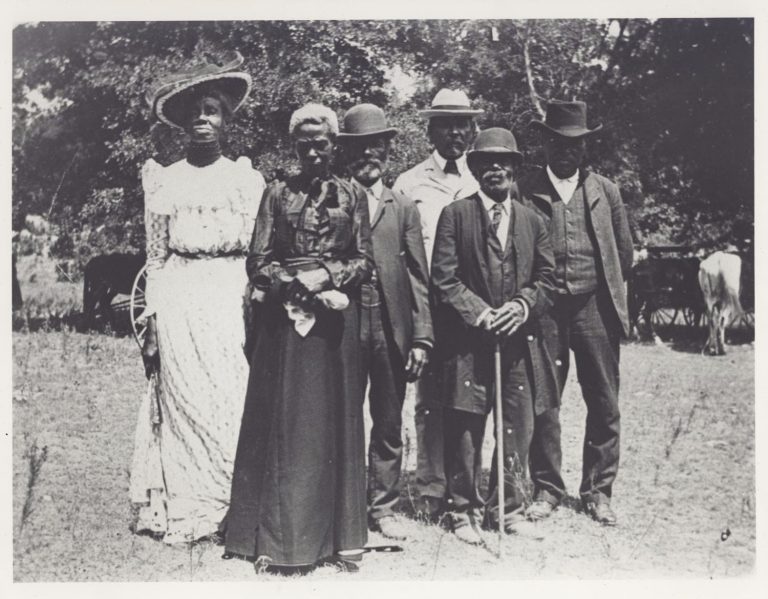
[[401, 265], [607, 217], [461, 294]]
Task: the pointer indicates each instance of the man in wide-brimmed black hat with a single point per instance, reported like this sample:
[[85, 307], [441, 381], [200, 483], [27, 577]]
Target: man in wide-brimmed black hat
[[491, 278], [593, 255], [395, 321]]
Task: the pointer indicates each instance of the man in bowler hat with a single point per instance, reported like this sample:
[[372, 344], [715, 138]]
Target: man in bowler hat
[[433, 184], [396, 325], [593, 256], [492, 278]]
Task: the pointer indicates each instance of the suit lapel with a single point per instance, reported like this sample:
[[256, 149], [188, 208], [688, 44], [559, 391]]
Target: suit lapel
[[517, 235], [434, 172], [481, 235], [592, 192], [513, 229], [462, 187], [541, 192], [381, 206]]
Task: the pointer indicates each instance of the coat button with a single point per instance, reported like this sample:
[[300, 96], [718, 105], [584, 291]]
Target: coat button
[[530, 337], [520, 387], [509, 431], [558, 362], [467, 383]]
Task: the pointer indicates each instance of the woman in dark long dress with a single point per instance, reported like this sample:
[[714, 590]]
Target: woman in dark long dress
[[298, 492]]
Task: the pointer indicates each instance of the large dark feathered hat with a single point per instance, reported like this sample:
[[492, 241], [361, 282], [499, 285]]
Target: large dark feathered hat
[[167, 99]]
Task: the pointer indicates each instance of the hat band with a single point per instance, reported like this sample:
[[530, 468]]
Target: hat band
[[566, 127], [449, 107], [494, 150], [383, 130]]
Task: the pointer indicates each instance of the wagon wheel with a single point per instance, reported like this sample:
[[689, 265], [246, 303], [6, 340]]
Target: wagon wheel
[[690, 317], [748, 318], [138, 303], [662, 317]]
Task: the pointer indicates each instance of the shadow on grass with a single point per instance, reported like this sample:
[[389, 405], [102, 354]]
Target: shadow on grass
[[409, 501], [691, 340]]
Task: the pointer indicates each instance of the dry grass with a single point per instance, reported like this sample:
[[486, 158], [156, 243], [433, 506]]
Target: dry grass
[[687, 475]]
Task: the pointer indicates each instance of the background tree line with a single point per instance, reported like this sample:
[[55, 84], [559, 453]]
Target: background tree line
[[676, 98]]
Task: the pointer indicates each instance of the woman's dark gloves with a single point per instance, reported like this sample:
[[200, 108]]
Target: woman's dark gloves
[[297, 294]]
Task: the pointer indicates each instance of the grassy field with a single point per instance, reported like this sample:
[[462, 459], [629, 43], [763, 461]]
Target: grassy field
[[685, 494]]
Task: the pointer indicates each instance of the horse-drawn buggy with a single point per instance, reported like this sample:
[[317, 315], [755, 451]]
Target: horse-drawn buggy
[[663, 289], [672, 285]]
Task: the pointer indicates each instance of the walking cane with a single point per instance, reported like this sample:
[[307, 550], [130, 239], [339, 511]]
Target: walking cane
[[499, 443]]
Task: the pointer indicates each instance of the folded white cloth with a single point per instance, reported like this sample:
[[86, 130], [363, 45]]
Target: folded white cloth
[[304, 321]]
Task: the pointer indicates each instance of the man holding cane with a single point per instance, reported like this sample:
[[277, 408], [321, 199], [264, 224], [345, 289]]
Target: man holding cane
[[492, 276]]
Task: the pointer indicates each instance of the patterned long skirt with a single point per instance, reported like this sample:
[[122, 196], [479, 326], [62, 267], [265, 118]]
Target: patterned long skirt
[[182, 468]]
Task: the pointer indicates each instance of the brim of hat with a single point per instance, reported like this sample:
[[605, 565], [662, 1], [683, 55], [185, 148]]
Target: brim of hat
[[236, 86], [571, 132], [389, 132], [428, 114], [494, 150]]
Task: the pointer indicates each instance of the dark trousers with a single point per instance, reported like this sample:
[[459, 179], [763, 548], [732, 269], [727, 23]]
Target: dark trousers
[[464, 433], [382, 361], [428, 419], [588, 325]]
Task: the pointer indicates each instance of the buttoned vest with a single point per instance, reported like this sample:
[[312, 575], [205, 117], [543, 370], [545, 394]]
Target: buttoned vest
[[502, 276], [574, 247]]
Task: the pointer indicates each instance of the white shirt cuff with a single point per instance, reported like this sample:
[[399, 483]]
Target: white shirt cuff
[[524, 304]]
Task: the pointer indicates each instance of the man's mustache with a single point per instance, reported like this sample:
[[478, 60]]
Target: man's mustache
[[367, 162]]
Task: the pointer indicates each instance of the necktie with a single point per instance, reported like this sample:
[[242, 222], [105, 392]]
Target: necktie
[[496, 218], [451, 168]]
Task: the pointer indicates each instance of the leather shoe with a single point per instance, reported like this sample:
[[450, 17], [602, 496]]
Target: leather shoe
[[465, 528], [429, 509], [468, 534], [539, 510], [390, 527], [341, 564], [601, 512]]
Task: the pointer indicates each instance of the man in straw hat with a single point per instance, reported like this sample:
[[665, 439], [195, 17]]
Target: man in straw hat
[[396, 325], [433, 184], [593, 255], [492, 278]]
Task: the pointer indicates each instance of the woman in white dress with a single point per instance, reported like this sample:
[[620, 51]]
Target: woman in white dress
[[200, 215]]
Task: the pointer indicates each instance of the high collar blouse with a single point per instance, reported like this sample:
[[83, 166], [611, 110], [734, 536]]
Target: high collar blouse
[[326, 221]]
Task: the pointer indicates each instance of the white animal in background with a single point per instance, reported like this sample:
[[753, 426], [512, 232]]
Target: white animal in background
[[719, 277]]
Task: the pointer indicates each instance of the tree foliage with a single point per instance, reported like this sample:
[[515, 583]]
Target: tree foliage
[[675, 97]]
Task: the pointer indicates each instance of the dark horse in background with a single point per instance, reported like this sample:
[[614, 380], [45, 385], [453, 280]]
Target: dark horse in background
[[104, 277]]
